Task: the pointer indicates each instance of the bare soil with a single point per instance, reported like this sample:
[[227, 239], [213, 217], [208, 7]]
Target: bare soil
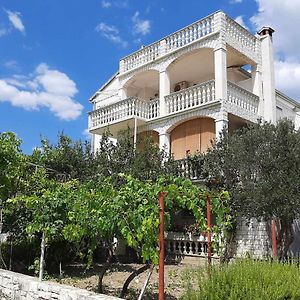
[[177, 277]]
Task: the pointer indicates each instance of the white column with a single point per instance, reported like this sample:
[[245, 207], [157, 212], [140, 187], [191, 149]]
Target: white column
[[257, 86], [164, 142], [122, 93], [164, 90], [220, 61], [268, 77], [221, 123]]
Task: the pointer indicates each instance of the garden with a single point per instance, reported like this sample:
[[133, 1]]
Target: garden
[[64, 210]]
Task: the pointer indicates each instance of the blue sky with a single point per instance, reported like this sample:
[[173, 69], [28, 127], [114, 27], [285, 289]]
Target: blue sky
[[54, 54]]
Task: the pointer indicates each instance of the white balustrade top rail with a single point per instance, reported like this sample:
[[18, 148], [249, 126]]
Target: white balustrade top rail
[[242, 98], [193, 96], [241, 35], [191, 33], [169, 44], [122, 110]]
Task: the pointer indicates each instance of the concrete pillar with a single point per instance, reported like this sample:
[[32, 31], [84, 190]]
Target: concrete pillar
[[164, 142], [257, 87], [268, 76], [221, 123], [96, 139], [164, 90], [220, 61], [122, 93]]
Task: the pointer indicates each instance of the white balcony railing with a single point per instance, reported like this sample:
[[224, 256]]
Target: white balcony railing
[[183, 244], [242, 98], [193, 96], [236, 35], [168, 44], [122, 110], [239, 34]]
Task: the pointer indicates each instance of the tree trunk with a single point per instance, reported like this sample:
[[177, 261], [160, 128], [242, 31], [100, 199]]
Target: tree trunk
[[42, 258], [131, 277], [105, 266], [285, 238], [146, 282]]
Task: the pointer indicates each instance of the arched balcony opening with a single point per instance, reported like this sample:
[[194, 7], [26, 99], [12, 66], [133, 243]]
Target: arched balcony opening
[[144, 85], [191, 137], [191, 69], [146, 137]]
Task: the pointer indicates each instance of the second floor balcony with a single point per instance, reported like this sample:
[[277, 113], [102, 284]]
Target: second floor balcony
[[194, 97]]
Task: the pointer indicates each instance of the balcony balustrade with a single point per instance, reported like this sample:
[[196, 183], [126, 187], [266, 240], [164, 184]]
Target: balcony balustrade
[[193, 96], [169, 44], [132, 107], [242, 98], [183, 244], [235, 35]]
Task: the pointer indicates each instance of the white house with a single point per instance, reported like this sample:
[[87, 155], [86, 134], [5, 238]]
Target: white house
[[183, 89]]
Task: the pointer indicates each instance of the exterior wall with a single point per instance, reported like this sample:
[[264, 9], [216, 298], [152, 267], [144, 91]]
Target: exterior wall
[[252, 239], [192, 136], [108, 95], [23, 287], [284, 108]]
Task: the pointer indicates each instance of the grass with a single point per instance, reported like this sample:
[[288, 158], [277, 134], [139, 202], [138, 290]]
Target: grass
[[247, 280]]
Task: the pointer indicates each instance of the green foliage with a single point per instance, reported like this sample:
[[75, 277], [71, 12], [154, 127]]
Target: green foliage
[[139, 211], [247, 279], [68, 159], [12, 164], [92, 216], [48, 207], [260, 167]]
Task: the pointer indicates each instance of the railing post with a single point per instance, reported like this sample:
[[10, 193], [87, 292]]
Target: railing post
[[161, 289], [208, 214], [122, 66]]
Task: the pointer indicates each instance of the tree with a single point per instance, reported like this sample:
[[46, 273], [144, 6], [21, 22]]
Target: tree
[[260, 166], [47, 208], [12, 165]]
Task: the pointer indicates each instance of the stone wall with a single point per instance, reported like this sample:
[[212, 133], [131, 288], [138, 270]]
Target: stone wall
[[253, 239], [18, 287]]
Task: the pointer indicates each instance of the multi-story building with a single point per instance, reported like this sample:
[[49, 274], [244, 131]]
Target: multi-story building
[[185, 88]]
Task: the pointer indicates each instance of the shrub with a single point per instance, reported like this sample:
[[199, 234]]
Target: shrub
[[247, 279]]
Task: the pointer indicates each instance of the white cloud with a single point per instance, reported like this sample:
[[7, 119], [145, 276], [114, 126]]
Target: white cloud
[[236, 1], [140, 26], [287, 74], [12, 65], [240, 20], [45, 88], [105, 4], [86, 134], [111, 33], [15, 19], [4, 31], [283, 17]]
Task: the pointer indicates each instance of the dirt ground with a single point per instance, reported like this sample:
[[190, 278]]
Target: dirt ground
[[177, 278]]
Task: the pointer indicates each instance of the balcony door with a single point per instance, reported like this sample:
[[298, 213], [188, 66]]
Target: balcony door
[[192, 136]]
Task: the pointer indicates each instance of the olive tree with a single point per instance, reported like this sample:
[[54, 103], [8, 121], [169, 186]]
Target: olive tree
[[260, 166]]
